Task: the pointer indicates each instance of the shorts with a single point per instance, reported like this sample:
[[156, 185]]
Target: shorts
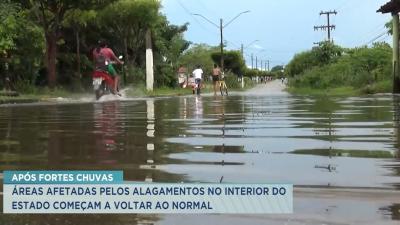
[[111, 70], [215, 78]]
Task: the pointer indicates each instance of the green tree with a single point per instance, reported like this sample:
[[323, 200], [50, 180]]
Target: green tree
[[327, 52], [129, 20], [277, 68], [233, 61], [21, 44], [321, 55], [50, 15], [77, 20], [169, 41], [169, 45], [198, 54]]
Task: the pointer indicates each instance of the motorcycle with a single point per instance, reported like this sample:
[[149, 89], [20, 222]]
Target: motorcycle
[[103, 83]]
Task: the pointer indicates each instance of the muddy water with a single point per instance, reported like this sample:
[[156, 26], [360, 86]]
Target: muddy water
[[341, 153]]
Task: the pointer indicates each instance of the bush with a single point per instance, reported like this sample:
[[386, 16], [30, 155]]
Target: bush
[[361, 68], [231, 81], [135, 75], [24, 86], [165, 76], [248, 82]]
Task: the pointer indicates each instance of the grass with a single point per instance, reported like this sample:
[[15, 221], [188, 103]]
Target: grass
[[384, 86], [140, 90]]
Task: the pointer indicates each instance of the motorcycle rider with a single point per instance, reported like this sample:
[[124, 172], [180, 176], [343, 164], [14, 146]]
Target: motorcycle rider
[[103, 57]]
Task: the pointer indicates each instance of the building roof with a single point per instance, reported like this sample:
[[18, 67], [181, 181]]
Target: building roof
[[390, 7]]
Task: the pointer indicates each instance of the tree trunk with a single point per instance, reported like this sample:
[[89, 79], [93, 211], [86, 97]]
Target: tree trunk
[[51, 53], [78, 54], [126, 57], [126, 50]]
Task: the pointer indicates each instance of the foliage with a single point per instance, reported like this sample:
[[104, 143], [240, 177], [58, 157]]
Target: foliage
[[45, 41], [277, 68], [319, 56], [361, 68], [169, 46], [169, 41], [233, 61], [21, 45], [198, 54], [128, 21]]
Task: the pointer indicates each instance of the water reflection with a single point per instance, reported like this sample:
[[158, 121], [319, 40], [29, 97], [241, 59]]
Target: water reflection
[[150, 138], [106, 130], [333, 132], [396, 125], [310, 142]]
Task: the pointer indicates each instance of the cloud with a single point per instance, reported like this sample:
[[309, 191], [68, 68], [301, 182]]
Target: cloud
[[257, 46]]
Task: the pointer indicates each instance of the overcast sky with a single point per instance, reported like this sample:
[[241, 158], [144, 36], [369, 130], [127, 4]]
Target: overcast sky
[[283, 27]]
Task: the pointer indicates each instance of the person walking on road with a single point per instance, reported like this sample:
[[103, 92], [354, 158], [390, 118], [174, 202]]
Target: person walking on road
[[198, 74], [216, 73]]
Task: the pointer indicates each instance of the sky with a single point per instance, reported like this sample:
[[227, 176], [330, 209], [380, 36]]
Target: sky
[[282, 27]]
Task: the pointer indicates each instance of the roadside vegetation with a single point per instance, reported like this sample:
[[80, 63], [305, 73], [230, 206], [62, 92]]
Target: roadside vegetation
[[46, 46], [331, 69]]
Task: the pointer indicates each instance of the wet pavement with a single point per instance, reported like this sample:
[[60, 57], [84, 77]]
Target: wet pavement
[[341, 153]]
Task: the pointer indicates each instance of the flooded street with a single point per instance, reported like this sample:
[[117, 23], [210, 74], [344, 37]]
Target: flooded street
[[341, 153]]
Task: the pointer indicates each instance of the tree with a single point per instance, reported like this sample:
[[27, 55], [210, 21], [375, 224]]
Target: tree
[[78, 19], [169, 41], [8, 26], [21, 43], [233, 61], [198, 54], [327, 52], [277, 68], [129, 20], [50, 15]]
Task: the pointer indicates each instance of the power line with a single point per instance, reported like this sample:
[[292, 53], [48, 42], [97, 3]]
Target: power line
[[376, 29], [206, 8], [344, 3], [382, 39], [374, 39], [195, 19]]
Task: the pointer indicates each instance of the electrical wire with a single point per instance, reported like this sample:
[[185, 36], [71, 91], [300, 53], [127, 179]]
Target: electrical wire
[[194, 18], [377, 37]]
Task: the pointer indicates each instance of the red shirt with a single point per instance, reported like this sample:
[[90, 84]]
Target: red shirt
[[108, 53]]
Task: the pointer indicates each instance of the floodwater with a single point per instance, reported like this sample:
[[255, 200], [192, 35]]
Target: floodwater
[[341, 153]]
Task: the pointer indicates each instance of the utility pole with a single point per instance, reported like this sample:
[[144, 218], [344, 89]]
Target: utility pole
[[256, 63], [395, 24], [261, 64], [396, 76], [252, 65], [242, 47], [221, 45], [327, 27], [149, 62], [268, 65], [221, 26]]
